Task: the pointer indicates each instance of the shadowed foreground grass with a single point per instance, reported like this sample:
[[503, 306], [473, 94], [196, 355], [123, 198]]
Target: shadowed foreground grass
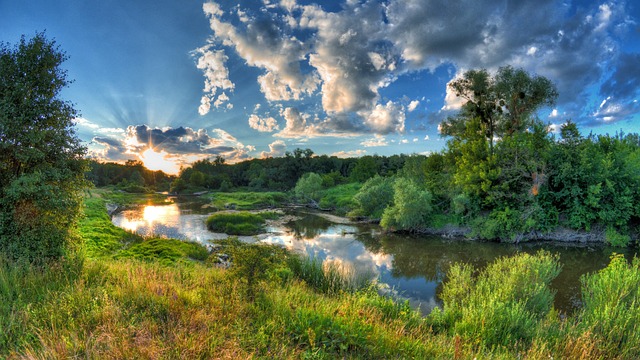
[[117, 306]]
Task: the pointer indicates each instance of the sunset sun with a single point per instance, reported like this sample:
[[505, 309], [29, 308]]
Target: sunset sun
[[158, 161]]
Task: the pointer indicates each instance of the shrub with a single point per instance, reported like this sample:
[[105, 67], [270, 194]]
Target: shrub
[[611, 307], [41, 159], [411, 207], [374, 196], [308, 187], [614, 238], [504, 304]]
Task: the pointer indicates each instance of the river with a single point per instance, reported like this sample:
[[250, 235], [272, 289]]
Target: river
[[409, 267]]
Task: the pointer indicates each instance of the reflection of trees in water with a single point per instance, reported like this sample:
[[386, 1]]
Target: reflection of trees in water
[[431, 257], [309, 226]]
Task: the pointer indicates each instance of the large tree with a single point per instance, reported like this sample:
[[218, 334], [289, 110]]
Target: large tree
[[504, 104], [41, 159]]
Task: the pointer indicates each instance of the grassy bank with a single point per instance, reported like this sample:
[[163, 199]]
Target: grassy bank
[[242, 200], [126, 301], [239, 223]]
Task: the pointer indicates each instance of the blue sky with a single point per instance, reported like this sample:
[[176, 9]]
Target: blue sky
[[249, 79]]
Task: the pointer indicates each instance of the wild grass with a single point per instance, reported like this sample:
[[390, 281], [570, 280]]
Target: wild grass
[[239, 223], [339, 198], [119, 306], [248, 200]]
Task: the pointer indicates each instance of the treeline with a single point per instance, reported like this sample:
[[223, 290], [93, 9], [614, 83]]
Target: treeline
[[282, 173], [131, 176]]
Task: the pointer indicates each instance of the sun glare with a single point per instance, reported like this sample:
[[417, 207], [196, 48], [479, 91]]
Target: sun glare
[[158, 161]]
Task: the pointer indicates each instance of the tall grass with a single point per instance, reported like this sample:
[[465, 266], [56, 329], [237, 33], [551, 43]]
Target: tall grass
[[611, 308], [106, 308], [328, 278], [504, 304]]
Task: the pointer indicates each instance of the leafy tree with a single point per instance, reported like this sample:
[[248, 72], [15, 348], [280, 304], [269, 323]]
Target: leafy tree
[[411, 209], [374, 196], [503, 104], [365, 169], [41, 159], [308, 187]]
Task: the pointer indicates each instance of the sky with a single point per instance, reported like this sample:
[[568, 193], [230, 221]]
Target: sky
[[171, 82]]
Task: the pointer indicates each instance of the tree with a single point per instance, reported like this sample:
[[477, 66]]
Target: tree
[[374, 196], [411, 209], [308, 187], [41, 159], [503, 104]]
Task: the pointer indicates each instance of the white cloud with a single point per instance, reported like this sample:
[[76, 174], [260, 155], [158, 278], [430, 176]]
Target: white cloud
[[276, 149], [85, 123], [349, 154], [413, 105], [268, 124], [452, 102], [384, 119], [377, 140], [554, 113], [216, 74]]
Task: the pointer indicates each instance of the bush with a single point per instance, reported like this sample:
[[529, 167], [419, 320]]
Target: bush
[[374, 196], [308, 187], [614, 238], [41, 159], [611, 308], [504, 304], [411, 209]]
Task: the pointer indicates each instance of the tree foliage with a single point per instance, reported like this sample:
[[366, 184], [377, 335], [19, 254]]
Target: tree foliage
[[41, 159]]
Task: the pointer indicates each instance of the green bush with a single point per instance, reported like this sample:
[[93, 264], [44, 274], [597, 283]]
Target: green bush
[[504, 304], [41, 159], [611, 308], [374, 196], [411, 209], [614, 238], [308, 187]]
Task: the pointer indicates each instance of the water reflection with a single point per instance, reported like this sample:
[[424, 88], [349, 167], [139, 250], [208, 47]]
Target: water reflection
[[177, 221], [412, 267]]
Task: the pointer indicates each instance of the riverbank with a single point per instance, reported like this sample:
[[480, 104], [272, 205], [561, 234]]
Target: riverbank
[[175, 302]]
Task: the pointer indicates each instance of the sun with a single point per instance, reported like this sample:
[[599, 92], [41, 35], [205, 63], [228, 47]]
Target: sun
[[158, 161]]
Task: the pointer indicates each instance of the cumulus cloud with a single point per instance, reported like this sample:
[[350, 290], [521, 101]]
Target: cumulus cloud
[[268, 124], [349, 55], [413, 105], [181, 144], [385, 119], [349, 154], [262, 44], [213, 65], [376, 141], [276, 149]]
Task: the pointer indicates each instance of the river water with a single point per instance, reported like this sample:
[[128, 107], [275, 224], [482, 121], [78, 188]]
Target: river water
[[409, 267]]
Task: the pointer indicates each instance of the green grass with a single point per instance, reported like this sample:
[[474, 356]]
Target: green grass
[[339, 198], [239, 223], [248, 200], [123, 198], [132, 301]]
